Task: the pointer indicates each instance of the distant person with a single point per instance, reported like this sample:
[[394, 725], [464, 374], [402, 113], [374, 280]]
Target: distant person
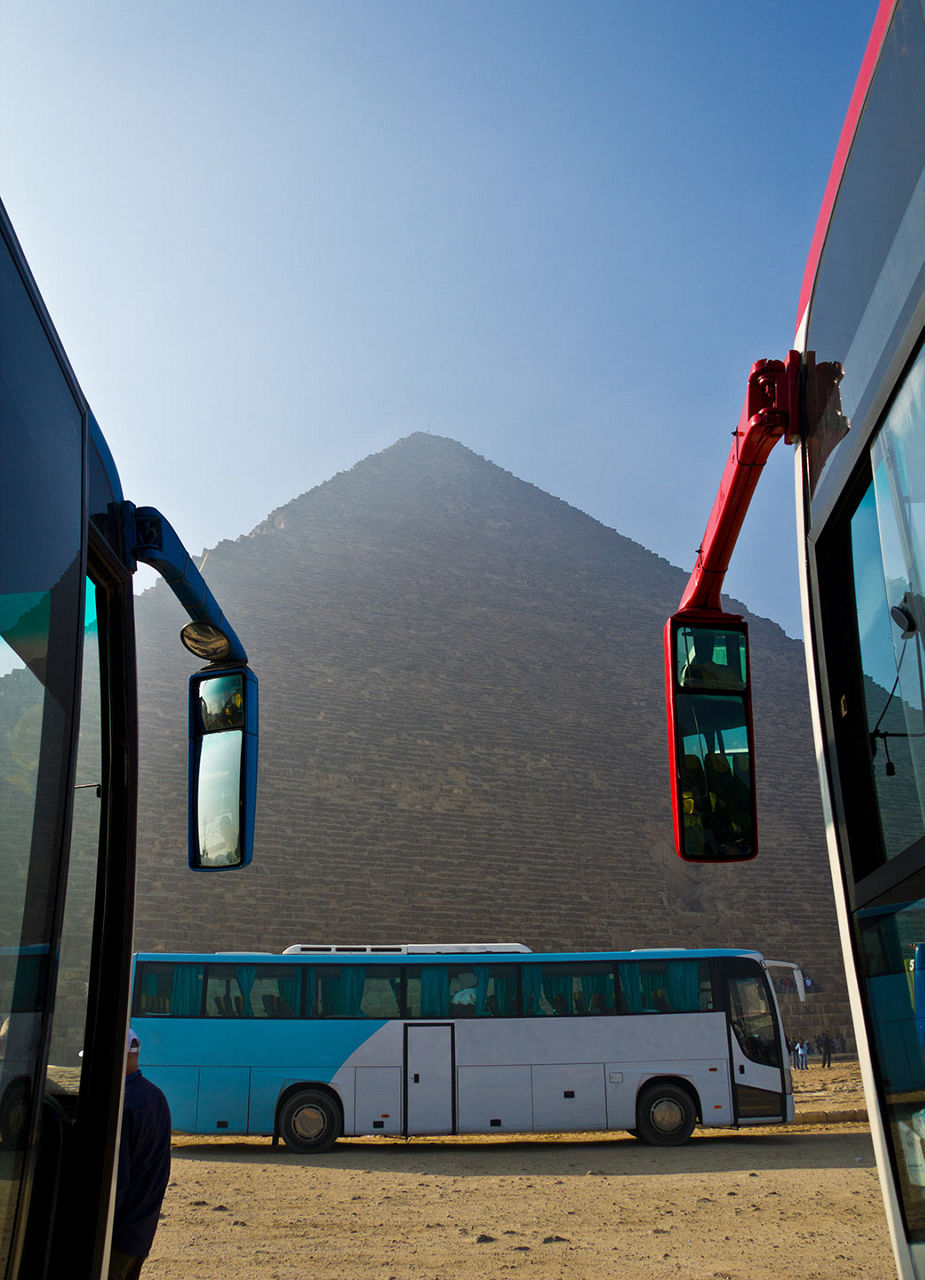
[[144, 1168], [803, 1051], [826, 1045]]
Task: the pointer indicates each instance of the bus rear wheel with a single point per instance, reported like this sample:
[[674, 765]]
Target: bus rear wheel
[[665, 1115], [309, 1121]]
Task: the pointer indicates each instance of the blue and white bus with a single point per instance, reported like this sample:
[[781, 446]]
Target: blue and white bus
[[320, 1042]]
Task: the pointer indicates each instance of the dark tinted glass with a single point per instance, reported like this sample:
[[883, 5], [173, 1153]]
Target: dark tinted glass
[[41, 597]]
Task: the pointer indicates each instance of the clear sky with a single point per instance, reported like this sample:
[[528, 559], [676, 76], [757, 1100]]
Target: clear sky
[[275, 238]]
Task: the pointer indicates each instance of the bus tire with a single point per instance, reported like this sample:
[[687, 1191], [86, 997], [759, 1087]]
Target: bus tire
[[665, 1115], [309, 1121], [14, 1116]]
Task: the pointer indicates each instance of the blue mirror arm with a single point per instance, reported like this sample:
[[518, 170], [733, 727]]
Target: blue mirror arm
[[154, 541]]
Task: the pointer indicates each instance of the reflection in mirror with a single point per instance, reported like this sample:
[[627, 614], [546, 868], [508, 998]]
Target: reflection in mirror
[[218, 801], [715, 783], [223, 768], [221, 703], [710, 658]]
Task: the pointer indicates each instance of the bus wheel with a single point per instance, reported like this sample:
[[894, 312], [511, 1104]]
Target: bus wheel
[[665, 1115], [14, 1115], [309, 1121]]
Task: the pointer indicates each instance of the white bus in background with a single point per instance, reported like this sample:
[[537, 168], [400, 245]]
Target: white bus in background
[[323, 1042]]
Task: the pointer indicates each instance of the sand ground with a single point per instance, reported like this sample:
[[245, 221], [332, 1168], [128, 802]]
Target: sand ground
[[801, 1201]]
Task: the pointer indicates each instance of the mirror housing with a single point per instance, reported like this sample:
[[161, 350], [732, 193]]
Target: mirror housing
[[222, 768], [710, 737]]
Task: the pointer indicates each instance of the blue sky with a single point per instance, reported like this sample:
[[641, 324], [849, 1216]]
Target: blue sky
[[560, 233]]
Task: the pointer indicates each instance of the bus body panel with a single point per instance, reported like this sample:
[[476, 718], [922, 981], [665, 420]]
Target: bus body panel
[[377, 1100]]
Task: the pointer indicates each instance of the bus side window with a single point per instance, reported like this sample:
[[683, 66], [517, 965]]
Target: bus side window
[[339, 991], [382, 992], [275, 992], [168, 990], [151, 999], [664, 986], [563, 990]]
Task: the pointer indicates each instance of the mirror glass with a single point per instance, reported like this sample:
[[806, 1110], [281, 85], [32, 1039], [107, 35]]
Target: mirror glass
[[708, 658], [221, 703], [711, 737], [218, 797], [715, 783]]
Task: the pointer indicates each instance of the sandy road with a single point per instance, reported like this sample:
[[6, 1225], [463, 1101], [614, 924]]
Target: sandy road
[[802, 1202]]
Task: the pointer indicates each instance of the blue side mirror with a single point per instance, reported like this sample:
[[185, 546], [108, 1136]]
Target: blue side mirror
[[222, 768]]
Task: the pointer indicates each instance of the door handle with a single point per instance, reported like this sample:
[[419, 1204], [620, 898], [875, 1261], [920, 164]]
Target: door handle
[[741, 1068], [416, 1078]]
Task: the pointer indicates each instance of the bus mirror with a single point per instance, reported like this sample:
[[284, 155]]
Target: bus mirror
[[710, 744], [222, 768]]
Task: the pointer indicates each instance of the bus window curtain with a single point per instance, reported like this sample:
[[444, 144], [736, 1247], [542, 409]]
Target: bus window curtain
[[506, 993], [482, 978], [533, 990], [247, 976], [149, 993], [289, 993], [683, 986], [435, 991], [632, 988], [352, 982], [654, 996], [186, 992]]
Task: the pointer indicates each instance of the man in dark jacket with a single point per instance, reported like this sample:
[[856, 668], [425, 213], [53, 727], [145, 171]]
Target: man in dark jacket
[[144, 1168]]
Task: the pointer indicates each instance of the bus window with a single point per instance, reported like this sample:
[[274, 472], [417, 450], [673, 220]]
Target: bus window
[[462, 991], [557, 990], [753, 1019], [382, 992], [665, 986], [483, 990], [168, 989], [887, 552], [248, 990], [73, 977], [891, 947], [339, 991]]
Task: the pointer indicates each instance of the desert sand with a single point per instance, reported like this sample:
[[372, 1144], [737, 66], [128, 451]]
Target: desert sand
[[797, 1201]]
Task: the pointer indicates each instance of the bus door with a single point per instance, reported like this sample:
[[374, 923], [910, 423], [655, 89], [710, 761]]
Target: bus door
[[756, 1054], [429, 1074]]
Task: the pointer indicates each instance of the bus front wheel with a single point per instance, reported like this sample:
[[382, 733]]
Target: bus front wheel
[[309, 1121], [665, 1115]]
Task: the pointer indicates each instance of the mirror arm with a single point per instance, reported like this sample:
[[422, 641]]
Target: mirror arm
[[770, 412], [151, 538]]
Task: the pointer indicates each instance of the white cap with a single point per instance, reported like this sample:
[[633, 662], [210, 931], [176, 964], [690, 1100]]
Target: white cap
[[133, 1043]]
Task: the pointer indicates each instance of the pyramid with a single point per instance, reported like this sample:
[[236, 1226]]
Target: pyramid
[[463, 737]]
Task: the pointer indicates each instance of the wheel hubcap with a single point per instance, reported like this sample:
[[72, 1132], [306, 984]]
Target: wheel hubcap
[[666, 1115], [309, 1123]]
